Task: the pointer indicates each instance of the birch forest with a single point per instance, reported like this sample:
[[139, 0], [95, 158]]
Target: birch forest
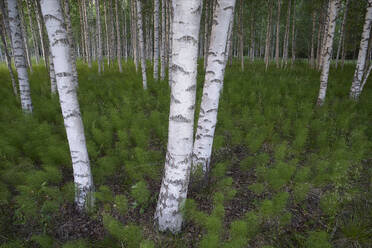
[[185, 123]]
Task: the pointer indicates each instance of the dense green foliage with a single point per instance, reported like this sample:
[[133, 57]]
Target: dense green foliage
[[284, 172]]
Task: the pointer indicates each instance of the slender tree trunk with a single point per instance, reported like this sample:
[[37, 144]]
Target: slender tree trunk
[[252, 52], [118, 40], [278, 35], [174, 186], [156, 40], [214, 78], [286, 35], [241, 37], [268, 34], [342, 35], [294, 32], [112, 24], [108, 54], [70, 39], [24, 32], [170, 46], [333, 8], [325, 32], [206, 32], [60, 47], [99, 37], [355, 90], [125, 38], [19, 55], [141, 44], [162, 47], [82, 27], [7, 57], [41, 36], [33, 35], [53, 80], [312, 60], [86, 34]]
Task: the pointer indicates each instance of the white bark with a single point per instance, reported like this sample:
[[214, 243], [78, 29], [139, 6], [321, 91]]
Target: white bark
[[294, 33], [99, 37], [361, 63], [277, 35], [214, 77], [162, 47], [312, 60], [8, 60], [118, 38], [141, 43], [53, 80], [286, 35], [156, 39], [173, 190], [327, 51], [60, 49], [19, 56], [342, 35]]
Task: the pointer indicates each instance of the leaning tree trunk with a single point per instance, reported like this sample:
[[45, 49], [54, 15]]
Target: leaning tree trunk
[[213, 84], [19, 56], [99, 38], [342, 35], [325, 32], [118, 38], [141, 43], [359, 70], [7, 57], [156, 40], [33, 35], [333, 8], [174, 186], [277, 35], [60, 49]]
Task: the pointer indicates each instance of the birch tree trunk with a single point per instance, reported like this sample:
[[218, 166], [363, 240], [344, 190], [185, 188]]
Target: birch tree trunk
[[294, 32], [141, 44], [41, 36], [108, 54], [342, 35], [118, 41], [112, 25], [8, 60], [60, 47], [53, 80], [325, 32], [162, 47], [24, 32], [268, 34], [213, 85], [206, 31], [312, 60], [19, 56], [241, 37], [333, 8], [252, 32], [70, 39], [362, 55], [174, 186], [278, 35], [101, 66], [156, 40], [125, 43], [33, 35], [86, 34], [286, 36]]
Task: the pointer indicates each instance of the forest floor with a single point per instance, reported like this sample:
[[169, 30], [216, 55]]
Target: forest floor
[[285, 173]]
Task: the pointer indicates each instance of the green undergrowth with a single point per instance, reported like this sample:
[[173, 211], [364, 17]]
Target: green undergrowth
[[285, 173]]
